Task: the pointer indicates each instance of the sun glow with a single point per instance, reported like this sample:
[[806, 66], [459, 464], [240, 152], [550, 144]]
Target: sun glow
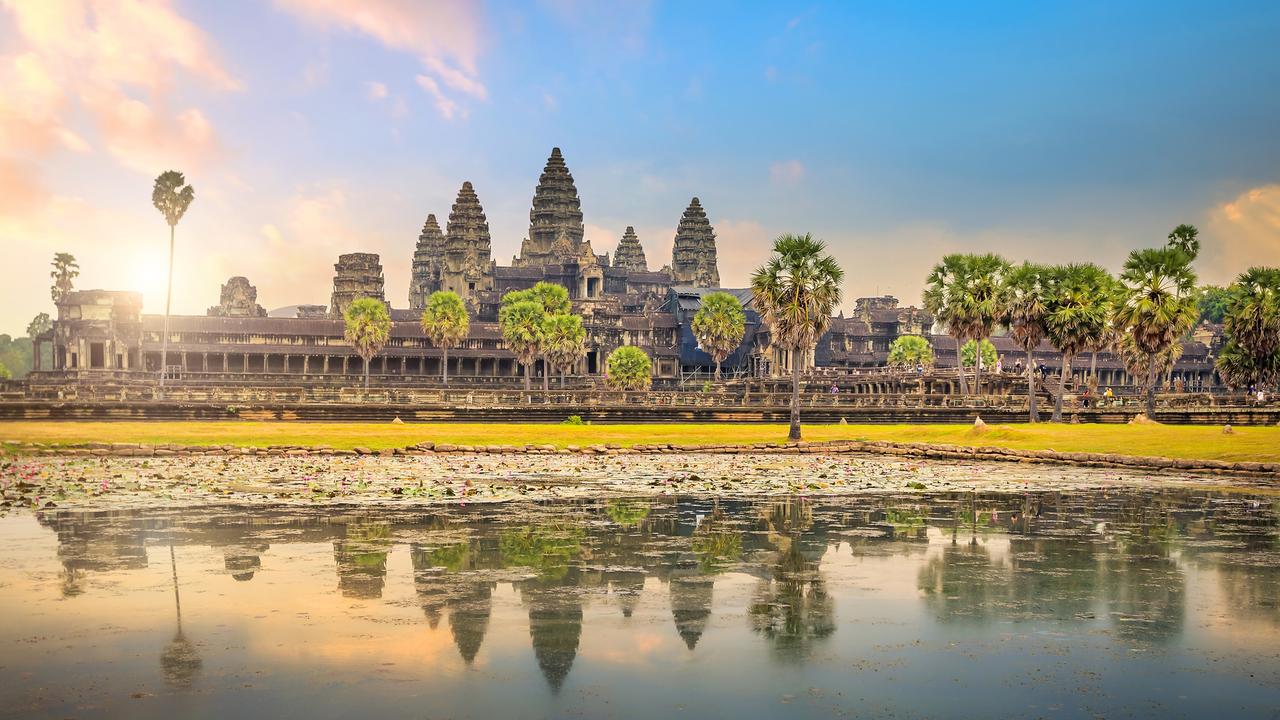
[[148, 273]]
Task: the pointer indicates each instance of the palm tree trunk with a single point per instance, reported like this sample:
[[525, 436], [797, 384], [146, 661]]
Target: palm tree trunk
[[964, 384], [444, 366], [366, 373], [1093, 365], [168, 296], [794, 434], [561, 378], [1031, 388], [717, 371], [1062, 389], [977, 368], [528, 376], [1151, 388], [546, 374]]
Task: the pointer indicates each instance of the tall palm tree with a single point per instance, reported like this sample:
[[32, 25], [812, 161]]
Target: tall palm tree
[[1252, 352], [940, 299], [1185, 238], [65, 270], [564, 342], [367, 328], [1156, 305], [521, 325], [445, 323], [1023, 309], [1078, 311], [796, 291], [977, 302], [719, 326], [171, 195]]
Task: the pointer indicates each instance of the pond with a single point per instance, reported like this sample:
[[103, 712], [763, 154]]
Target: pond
[[1140, 602]]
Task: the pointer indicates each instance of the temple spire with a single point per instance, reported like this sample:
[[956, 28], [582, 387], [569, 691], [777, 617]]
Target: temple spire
[[693, 257], [428, 255], [630, 253], [556, 215]]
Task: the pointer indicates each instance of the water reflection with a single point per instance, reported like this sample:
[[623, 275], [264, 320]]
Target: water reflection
[[1120, 565]]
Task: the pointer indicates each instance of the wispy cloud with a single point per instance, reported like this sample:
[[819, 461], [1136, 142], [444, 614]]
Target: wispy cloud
[[93, 56], [444, 34], [787, 172]]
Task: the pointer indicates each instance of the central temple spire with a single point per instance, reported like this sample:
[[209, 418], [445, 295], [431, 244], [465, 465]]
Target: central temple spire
[[555, 220]]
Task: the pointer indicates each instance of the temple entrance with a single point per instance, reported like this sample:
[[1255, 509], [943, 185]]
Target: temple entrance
[[97, 357], [593, 362]]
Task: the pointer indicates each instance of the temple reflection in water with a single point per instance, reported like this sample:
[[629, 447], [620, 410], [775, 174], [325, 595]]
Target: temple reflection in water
[[976, 560]]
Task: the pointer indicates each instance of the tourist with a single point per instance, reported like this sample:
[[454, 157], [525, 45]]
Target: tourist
[[834, 389], [1108, 396], [1084, 399], [999, 364], [1017, 367]]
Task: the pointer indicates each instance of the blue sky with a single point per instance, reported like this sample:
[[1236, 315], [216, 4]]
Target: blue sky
[[895, 131]]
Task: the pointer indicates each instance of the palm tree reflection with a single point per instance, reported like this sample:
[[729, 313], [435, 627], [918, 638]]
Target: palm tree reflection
[[180, 661]]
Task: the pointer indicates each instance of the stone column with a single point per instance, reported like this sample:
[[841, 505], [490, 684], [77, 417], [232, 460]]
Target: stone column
[[306, 364]]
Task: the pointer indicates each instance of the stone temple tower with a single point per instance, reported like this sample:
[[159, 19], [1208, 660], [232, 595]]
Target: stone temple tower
[[425, 275], [693, 258], [555, 221], [468, 255], [355, 275], [630, 254]]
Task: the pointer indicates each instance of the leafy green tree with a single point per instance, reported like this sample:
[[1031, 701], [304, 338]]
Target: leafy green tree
[[629, 368], [521, 325], [966, 292], [4, 372], [1156, 306], [940, 299], [908, 351], [65, 270], [171, 195], [1079, 309], [17, 355], [553, 299], [796, 291], [1212, 303], [445, 323], [39, 325], [565, 342], [719, 326], [969, 354], [1024, 308], [1251, 354], [1185, 238], [367, 328]]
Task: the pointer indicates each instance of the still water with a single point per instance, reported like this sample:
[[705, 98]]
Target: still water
[[1089, 604]]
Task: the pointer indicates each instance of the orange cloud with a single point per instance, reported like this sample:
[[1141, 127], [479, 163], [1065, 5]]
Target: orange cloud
[[1242, 233], [96, 55], [444, 35]]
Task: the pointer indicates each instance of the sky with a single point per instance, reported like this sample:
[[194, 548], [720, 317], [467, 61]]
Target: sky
[[896, 132]]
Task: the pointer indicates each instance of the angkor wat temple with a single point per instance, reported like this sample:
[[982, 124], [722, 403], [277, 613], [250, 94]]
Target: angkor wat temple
[[623, 299]]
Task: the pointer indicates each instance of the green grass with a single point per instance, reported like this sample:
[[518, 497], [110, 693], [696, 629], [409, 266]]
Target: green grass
[[1176, 441]]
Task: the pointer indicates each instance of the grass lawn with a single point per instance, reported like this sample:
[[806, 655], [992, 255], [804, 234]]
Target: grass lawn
[[1175, 441]]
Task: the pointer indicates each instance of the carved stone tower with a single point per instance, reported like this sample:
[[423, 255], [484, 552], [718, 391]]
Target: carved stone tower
[[356, 275], [427, 258], [555, 221], [630, 254], [468, 255], [238, 299], [693, 258]]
